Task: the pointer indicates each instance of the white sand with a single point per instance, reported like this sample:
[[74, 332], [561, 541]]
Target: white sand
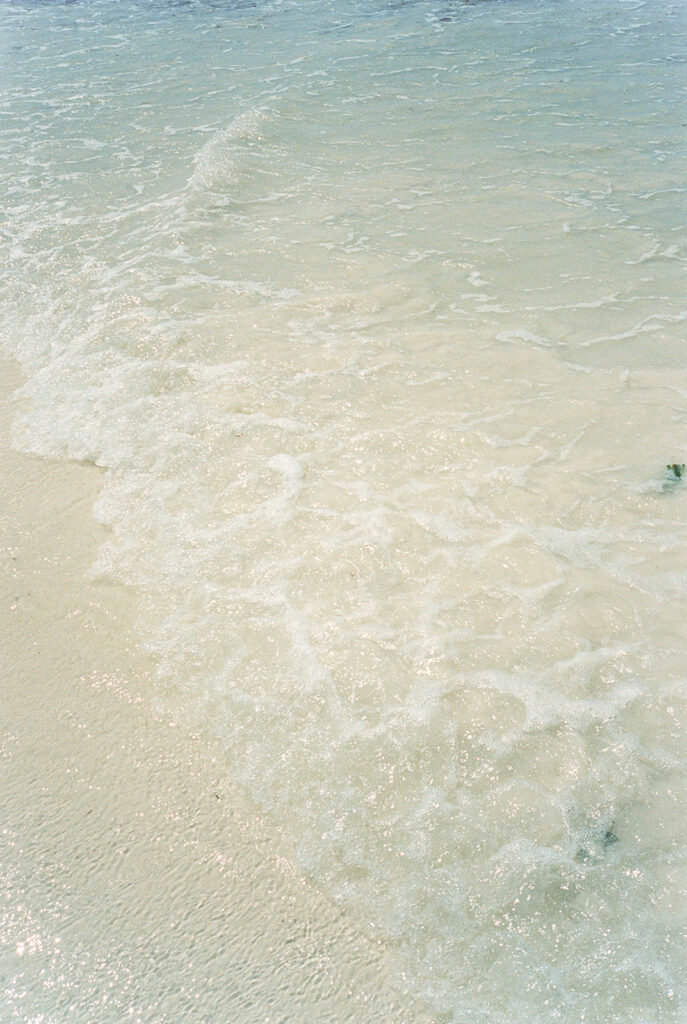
[[135, 883]]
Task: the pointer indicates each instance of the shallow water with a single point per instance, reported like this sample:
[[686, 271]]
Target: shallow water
[[374, 314]]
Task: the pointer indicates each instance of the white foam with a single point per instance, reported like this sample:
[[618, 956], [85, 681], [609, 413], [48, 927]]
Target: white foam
[[216, 164]]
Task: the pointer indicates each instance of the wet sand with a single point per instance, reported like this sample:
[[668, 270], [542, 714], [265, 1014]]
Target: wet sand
[[135, 882]]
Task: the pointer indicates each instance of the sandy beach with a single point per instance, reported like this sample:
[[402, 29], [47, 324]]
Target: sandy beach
[[135, 883], [343, 512]]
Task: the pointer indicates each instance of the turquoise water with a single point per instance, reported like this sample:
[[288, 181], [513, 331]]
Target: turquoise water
[[374, 314]]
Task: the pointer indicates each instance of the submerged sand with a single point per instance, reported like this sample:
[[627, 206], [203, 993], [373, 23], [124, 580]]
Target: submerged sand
[[135, 882]]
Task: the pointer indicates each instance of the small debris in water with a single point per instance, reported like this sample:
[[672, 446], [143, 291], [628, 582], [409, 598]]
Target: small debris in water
[[609, 837], [598, 843], [674, 474]]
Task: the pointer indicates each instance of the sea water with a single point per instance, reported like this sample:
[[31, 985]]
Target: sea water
[[374, 314]]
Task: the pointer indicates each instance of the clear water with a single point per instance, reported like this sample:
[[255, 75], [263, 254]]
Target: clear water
[[375, 315]]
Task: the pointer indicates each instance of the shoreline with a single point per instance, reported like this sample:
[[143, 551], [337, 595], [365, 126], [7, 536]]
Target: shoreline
[[137, 883]]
